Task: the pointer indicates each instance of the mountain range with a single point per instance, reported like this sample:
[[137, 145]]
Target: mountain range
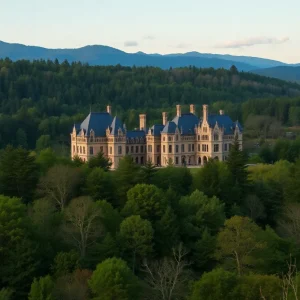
[[104, 55]]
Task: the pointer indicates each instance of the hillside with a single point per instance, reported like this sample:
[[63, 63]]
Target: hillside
[[282, 72], [104, 55]]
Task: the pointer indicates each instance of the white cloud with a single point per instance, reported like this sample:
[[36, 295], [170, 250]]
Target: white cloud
[[181, 45], [149, 37], [131, 43], [252, 41]]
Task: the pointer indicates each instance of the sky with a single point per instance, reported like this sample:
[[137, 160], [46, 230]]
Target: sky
[[261, 28]]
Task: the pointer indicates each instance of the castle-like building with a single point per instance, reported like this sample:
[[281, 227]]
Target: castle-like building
[[186, 140]]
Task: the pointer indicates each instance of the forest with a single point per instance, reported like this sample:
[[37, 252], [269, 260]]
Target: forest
[[41, 100], [74, 230], [77, 231]]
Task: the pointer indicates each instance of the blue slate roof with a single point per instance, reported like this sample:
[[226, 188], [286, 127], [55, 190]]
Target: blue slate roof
[[156, 129], [223, 121], [115, 126], [135, 134], [186, 123], [99, 122]]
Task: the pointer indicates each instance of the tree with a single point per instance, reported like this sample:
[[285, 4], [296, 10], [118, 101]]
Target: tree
[[254, 208], [145, 200], [148, 172], [217, 284], [41, 289], [17, 254], [198, 213], [136, 237], [73, 286], [18, 173], [82, 223], [65, 263], [112, 279], [237, 241], [43, 142], [126, 176], [99, 185], [236, 163], [59, 184], [46, 159], [21, 138], [168, 277], [5, 294], [99, 161]]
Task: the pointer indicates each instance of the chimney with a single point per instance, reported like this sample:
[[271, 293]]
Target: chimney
[[205, 112], [178, 108], [108, 109], [221, 111], [192, 109], [165, 118], [142, 122]]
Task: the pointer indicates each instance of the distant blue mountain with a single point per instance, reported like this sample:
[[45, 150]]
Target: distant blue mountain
[[104, 55], [288, 73]]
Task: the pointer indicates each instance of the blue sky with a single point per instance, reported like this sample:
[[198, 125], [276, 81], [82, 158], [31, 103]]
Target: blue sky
[[262, 28]]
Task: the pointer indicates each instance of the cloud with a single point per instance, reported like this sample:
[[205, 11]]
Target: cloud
[[149, 37], [181, 46], [252, 42], [131, 43]]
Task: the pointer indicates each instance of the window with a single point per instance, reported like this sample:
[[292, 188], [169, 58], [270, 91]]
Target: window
[[80, 149], [158, 148], [176, 160], [83, 149], [119, 149], [170, 149], [205, 137], [164, 148], [132, 149], [127, 149], [77, 149], [136, 160], [110, 150], [198, 137], [170, 138], [225, 147], [216, 137], [204, 148], [177, 148], [190, 148], [101, 149], [164, 138], [182, 148], [199, 147], [142, 160], [142, 149], [205, 129], [91, 150], [176, 137], [136, 149], [149, 148], [193, 147], [216, 148]]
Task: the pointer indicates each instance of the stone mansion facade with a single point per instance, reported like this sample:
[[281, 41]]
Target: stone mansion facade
[[185, 140]]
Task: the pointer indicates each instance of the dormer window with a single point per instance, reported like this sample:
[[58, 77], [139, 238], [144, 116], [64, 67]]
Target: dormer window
[[216, 137], [204, 129]]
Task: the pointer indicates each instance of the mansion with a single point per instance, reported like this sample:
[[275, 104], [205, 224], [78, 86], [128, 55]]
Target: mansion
[[184, 140]]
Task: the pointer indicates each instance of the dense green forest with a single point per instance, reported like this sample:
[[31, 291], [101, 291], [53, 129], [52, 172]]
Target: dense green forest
[[41, 100], [74, 230]]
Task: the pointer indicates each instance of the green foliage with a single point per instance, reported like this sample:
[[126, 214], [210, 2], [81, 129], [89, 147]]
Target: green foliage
[[43, 142], [199, 213], [126, 176], [148, 172], [217, 284], [5, 294], [99, 161], [65, 263], [238, 241], [41, 289], [136, 236], [99, 185], [177, 179], [114, 280], [18, 173], [148, 201]]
